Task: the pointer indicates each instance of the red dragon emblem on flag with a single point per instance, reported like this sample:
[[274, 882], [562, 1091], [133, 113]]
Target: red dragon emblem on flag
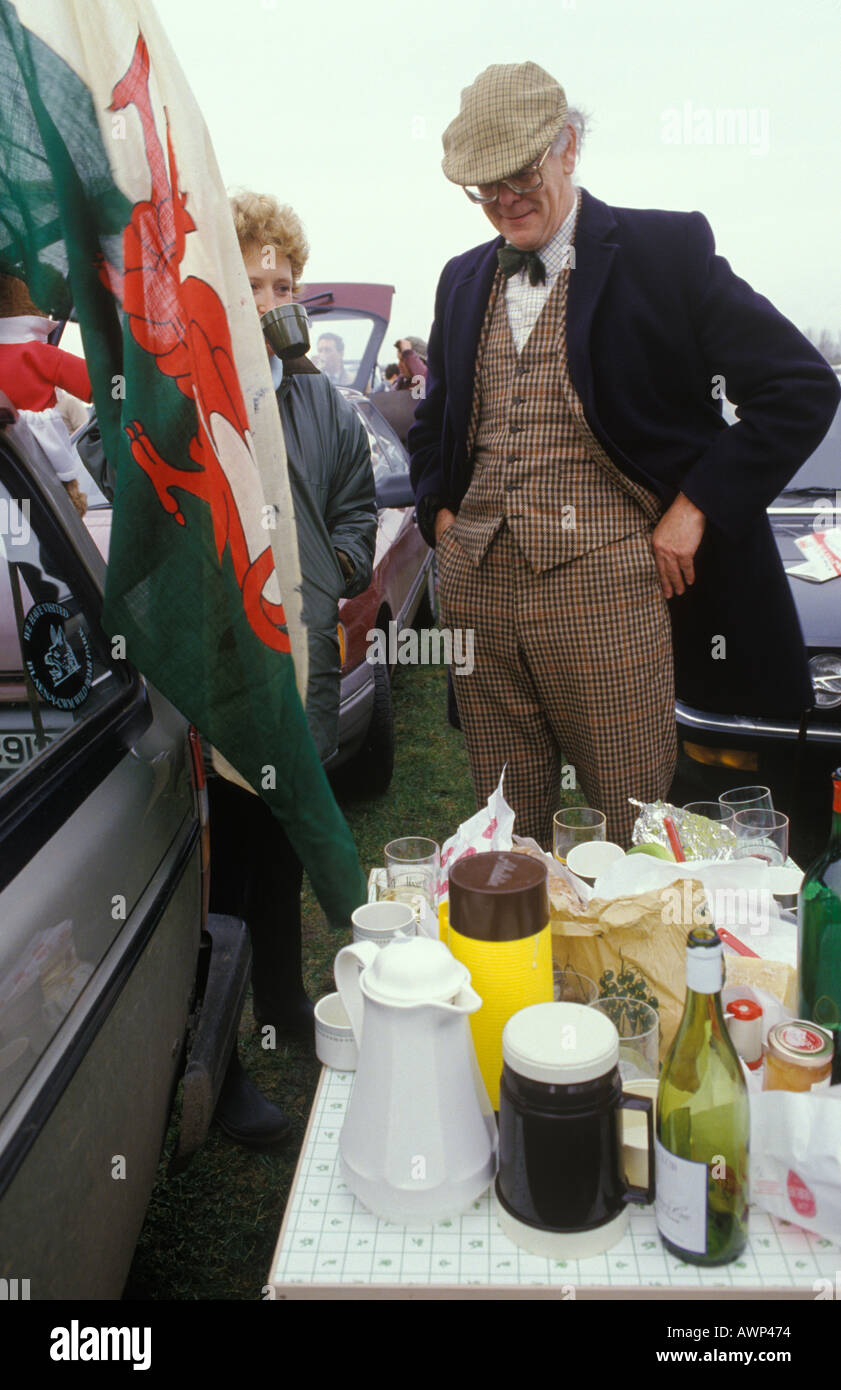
[[184, 326]]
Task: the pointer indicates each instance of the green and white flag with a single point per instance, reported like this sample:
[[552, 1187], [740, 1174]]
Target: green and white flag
[[110, 186]]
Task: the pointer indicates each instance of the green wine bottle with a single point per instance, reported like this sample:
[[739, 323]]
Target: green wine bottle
[[703, 1122], [819, 933]]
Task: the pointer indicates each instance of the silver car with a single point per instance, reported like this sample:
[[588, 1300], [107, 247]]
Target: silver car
[[106, 953]]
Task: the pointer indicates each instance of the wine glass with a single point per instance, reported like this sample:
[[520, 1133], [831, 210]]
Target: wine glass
[[761, 834], [747, 799]]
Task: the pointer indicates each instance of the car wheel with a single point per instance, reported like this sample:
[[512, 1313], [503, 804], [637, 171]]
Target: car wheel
[[373, 765]]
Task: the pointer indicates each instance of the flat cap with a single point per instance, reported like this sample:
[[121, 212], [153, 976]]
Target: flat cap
[[508, 117]]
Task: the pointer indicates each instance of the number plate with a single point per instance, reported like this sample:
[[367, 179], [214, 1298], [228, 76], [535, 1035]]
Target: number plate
[[18, 749]]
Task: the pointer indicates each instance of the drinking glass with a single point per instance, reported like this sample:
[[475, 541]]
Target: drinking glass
[[571, 987], [762, 834], [575, 825], [747, 799], [412, 867], [638, 1026]]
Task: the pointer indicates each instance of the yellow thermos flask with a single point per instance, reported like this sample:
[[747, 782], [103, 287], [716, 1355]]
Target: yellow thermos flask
[[499, 929]]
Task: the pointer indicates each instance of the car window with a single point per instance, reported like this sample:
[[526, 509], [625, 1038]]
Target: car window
[[85, 438], [338, 345], [387, 453], [53, 671]]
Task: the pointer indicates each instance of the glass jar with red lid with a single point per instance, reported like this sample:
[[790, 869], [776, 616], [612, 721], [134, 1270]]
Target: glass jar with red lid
[[798, 1056]]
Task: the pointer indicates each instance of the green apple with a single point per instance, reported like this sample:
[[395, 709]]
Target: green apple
[[658, 851]]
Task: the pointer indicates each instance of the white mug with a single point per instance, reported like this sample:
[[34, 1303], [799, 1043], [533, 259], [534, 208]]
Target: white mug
[[335, 1044], [383, 921]]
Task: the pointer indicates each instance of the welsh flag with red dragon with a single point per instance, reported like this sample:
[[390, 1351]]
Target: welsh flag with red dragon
[[111, 201]]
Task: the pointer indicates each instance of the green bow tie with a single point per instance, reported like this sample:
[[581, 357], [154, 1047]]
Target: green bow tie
[[511, 260]]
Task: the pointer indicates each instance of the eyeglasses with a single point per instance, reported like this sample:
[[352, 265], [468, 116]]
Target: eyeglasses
[[527, 181]]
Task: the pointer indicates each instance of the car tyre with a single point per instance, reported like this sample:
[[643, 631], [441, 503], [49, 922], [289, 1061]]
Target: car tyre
[[373, 766]]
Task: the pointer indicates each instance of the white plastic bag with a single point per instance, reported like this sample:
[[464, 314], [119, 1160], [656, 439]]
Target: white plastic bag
[[795, 1157], [491, 828]]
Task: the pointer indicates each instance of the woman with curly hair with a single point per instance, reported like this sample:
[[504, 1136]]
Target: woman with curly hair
[[255, 871]]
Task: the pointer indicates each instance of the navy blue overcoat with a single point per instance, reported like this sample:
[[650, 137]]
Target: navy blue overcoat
[[658, 326]]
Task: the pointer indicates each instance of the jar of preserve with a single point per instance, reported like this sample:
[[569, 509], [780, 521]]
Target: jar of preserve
[[798, 1056]]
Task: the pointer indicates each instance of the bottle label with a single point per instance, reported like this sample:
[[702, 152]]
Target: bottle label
[[681, 1200]]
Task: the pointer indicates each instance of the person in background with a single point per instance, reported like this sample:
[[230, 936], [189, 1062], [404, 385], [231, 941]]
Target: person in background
[[412, 366], [255, 873], [572, 468], [398, 405], [331, 359], [390, 375]]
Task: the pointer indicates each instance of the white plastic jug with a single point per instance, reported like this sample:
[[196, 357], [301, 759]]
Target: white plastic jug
[[419, 1139]]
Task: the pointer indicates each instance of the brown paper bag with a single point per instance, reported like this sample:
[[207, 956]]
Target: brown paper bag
[[621, 934], [646, 934]]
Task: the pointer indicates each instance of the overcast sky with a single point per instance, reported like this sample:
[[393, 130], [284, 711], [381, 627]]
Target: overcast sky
[[338, 109]]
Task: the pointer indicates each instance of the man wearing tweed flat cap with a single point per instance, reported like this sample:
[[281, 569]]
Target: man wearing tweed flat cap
[[597, 524]]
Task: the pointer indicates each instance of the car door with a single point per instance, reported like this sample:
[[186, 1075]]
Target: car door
[[100, 908], [403, 554]]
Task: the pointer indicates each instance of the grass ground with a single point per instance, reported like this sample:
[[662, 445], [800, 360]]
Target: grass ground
[[210, 1232]]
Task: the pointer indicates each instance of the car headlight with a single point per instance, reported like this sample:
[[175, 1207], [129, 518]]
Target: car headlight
[[825, 671]]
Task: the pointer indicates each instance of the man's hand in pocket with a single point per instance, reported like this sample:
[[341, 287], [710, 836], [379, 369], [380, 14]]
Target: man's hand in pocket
[[675, 540], [443, 521]]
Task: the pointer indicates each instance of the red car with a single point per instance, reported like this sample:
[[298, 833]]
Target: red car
[[402, 591]]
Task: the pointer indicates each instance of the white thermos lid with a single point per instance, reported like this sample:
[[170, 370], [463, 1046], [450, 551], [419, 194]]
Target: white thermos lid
[[561, 1044]]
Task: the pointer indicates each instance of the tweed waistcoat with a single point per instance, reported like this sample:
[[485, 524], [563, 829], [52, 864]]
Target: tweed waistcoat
[[537, 467]]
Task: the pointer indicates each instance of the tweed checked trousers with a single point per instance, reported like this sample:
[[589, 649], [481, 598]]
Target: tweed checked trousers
[[571, 666]]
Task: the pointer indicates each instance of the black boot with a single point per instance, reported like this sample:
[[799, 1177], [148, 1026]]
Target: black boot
[[274, 926], [244, 1114], [257, 875]]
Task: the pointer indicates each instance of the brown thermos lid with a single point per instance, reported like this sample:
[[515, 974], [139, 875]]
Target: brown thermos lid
[[498, 896]]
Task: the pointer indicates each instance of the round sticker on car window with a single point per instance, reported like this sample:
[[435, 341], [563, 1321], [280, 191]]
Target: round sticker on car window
[[59, 665]]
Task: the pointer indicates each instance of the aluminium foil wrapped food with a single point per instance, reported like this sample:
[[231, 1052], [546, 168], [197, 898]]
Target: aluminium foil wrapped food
[[700, 837]]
